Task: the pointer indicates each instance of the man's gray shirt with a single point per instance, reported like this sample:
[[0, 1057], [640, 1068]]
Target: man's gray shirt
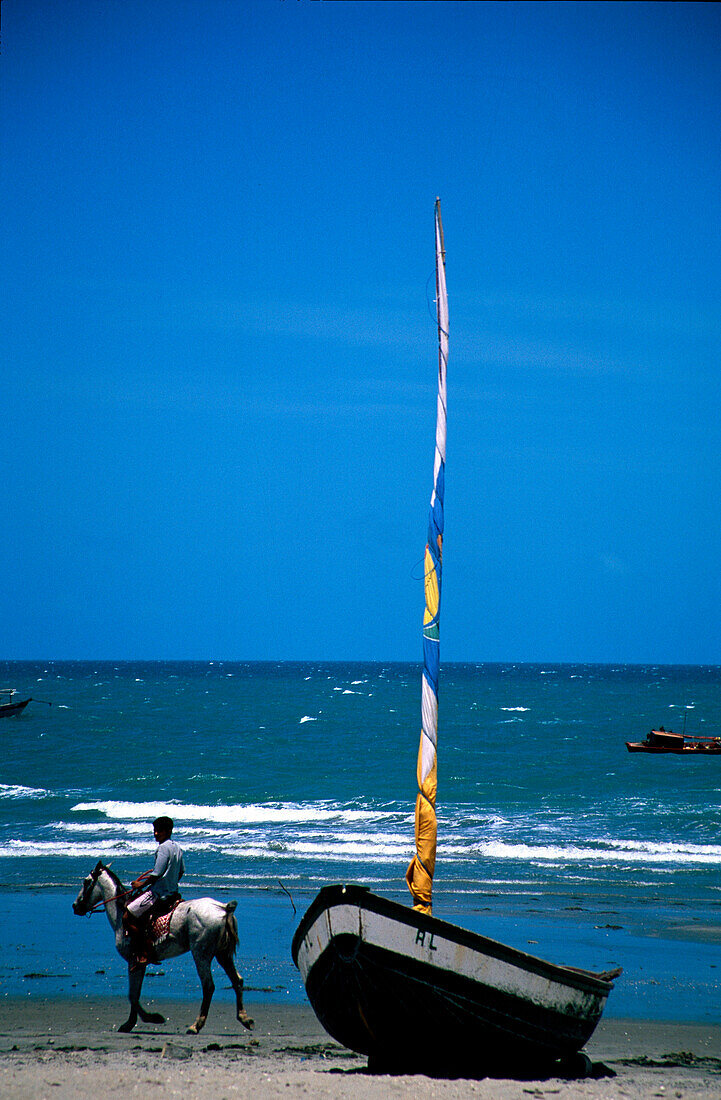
[[169, 867]]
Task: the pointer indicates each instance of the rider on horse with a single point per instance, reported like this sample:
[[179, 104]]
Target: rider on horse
[[160, 890]]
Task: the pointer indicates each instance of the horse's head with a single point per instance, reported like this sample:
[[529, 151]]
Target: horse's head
[[90, 893]]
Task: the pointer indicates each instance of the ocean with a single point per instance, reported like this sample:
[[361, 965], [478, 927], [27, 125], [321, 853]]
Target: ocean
[[282, 777]]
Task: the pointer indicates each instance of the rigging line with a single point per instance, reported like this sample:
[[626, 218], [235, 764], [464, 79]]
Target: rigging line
[[431, 310], [426, 572], [426, 799], [289, 895], [433, 743], [433, 313], [413, 568], [418, 858]]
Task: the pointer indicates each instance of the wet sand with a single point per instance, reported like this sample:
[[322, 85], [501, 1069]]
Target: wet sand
[[69, 1048]]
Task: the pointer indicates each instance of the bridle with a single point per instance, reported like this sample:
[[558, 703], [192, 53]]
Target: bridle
[[88, 885]]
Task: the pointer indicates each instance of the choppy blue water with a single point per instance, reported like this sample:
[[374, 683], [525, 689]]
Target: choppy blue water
[[305, 774]]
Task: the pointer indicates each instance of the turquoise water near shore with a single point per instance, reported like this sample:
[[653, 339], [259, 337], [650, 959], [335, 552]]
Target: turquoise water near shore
[[304, 773], [670, 970]]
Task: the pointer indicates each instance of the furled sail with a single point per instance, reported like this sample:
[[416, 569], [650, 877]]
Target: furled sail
[[419, 875]]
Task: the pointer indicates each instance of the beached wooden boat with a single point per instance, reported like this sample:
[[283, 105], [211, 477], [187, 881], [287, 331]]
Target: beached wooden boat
[[412, 992], [7, 706], [682, 744]]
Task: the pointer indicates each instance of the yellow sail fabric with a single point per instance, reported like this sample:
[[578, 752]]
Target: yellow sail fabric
[[419, 875]]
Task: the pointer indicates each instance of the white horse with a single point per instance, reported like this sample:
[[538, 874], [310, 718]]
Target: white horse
[[206, 928]]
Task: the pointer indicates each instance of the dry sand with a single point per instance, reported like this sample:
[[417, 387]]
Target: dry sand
[[65, 1049]]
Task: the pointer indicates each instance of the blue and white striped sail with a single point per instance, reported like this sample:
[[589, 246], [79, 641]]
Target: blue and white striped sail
[[420, 871]]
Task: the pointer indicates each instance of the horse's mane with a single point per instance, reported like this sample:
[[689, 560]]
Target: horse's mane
[[113, 876]]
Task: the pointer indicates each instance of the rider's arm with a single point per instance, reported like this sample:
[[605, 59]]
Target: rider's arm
[[145, 880], [162, 862]]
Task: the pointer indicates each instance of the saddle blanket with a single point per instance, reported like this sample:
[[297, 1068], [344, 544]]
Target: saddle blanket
[[160, 927]]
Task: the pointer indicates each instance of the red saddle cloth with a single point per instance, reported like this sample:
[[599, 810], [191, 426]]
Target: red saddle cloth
[[160, 925]]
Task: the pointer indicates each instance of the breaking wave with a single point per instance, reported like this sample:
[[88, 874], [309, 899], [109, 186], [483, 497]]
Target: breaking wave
[[277, 812], [15, 790]]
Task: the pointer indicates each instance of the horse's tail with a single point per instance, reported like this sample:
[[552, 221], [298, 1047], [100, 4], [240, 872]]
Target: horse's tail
[[228, 939]]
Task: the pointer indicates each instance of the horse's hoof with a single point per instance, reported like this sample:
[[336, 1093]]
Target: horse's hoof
[[126, 1027], [246, 1020], [192, 1030]]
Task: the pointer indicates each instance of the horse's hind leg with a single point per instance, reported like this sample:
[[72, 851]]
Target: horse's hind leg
[[136, 973], [226, 961], [202, 965]]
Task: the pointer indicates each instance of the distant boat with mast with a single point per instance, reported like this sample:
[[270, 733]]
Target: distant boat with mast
[[682, 744], [8, 707]]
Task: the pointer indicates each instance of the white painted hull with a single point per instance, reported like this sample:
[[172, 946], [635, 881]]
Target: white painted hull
[[415, 992]]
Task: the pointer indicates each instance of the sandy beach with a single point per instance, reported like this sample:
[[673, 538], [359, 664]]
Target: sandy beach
[[70, 1048]]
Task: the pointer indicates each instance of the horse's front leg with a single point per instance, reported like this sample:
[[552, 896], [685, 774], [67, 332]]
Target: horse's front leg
[[202, 965], [226, 961], [136, 973]]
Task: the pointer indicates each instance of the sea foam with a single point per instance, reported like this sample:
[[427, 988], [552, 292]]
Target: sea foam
[[15, 790], [238, 814]]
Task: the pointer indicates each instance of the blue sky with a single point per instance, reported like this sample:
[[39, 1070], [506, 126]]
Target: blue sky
[[218, 354]]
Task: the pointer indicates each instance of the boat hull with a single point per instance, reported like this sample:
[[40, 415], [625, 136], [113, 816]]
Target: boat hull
[[712, 748], [667, 741], [8, 709], [416, 993]]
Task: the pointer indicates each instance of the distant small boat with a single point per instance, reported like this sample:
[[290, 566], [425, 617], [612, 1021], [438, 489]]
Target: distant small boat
[[7, 707], [680, 743]]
